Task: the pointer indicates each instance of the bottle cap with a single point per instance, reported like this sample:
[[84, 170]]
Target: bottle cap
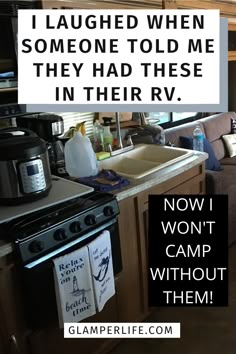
[[107, 121]]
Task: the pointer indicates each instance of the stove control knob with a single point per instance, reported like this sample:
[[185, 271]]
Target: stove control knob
[[108, 210], [36, 246], [90, 220], [60, 235], [75, 227]]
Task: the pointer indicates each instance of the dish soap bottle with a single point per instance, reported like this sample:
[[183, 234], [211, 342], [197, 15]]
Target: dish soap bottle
[[107, 135]]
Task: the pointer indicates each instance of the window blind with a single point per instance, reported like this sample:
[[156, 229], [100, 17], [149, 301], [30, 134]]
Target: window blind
[[72, 118]]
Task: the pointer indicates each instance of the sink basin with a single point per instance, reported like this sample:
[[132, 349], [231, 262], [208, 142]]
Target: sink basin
[[144, 159]]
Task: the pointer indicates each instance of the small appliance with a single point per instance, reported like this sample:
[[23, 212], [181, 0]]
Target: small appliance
[[48, 127], [24, 166], [8, 56]]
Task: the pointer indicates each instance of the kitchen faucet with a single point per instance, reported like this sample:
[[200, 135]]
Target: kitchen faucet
[[120, 148], [119, 139]]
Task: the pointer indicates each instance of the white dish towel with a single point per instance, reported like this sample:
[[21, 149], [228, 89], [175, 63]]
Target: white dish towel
[[73, 285], [102, 269]]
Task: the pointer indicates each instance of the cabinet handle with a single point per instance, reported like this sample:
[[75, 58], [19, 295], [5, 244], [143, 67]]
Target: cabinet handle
[[14, 344]]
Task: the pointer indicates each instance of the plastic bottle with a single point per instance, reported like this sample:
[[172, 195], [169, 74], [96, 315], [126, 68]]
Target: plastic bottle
[[98, 140], [80, 159], [107, 135], [198, 139]]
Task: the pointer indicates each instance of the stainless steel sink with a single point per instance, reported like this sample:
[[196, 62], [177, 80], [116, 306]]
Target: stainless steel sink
[[144, 159]]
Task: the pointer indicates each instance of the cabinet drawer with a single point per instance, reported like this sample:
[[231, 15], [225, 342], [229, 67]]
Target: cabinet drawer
[[195, 186], [184, 183]]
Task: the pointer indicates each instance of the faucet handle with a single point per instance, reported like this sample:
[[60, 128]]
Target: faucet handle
[[129, 140]]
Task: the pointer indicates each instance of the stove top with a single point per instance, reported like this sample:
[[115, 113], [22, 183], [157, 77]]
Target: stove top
[[43, 219], [44, 230], [62, 190]]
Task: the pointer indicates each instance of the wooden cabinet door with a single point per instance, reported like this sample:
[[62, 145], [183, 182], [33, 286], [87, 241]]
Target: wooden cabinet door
[[131, 287], [189, 182], [100, 4], [51, 340], [142, 212], [2, 347], [54, 4], [12, 325], [232, 40]]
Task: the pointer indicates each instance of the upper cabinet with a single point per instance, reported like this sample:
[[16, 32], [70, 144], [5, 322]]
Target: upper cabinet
[[227, 7], [232, 40], [101, 4]]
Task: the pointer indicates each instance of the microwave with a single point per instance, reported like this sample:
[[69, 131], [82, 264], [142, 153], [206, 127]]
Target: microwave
[[8, 51], [8, 55]]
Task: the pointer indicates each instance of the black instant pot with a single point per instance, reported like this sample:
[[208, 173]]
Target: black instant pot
[[24, 166]]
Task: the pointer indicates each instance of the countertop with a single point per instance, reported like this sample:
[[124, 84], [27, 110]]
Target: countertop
[[139, 185], [61, 191]]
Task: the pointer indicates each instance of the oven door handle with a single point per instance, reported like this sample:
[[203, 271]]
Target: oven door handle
[[69, 245]]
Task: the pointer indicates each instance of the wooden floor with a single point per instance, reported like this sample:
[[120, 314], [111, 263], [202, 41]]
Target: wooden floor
[[203, 330]]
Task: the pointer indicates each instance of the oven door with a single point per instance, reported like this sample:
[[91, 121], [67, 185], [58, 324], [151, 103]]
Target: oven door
[[38, 280]]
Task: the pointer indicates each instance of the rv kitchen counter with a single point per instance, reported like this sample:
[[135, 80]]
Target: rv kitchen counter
[[141, 185], [185, 177]]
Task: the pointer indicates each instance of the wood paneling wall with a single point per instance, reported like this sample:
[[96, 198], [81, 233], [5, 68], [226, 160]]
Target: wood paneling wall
[[227, 7], [104, 4]]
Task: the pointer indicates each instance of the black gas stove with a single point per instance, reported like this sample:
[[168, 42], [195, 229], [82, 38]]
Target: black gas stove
[[46, 231], [40, 237]]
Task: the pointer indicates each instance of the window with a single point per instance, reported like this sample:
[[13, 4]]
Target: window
[[158, 117], [172, 118], [165, 119]]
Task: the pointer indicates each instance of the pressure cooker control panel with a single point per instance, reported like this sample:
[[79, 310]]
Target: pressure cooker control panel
[[32, 176]]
